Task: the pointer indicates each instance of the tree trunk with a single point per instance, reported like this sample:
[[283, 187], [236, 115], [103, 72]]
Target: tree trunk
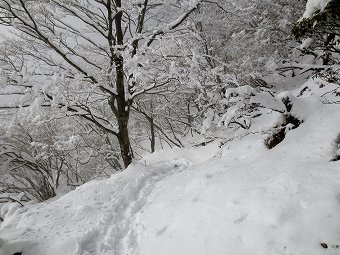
[[124, 143], [153, 136], [122, 115]]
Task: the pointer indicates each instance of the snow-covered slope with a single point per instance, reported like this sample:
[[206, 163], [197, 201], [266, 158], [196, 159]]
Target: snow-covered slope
[[238, 199]]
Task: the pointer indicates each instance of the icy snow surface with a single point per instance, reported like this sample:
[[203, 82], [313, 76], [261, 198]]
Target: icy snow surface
[[235, 199]]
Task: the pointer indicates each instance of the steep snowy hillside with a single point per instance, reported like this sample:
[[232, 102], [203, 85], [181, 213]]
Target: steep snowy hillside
[[236, 197]]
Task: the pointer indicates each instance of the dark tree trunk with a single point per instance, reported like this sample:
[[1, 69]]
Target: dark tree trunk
[[122, 115], [123, 105], [153, 137], [124, 143]]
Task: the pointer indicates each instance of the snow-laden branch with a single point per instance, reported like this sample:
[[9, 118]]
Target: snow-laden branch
[[171, 26], [314, 6], [151, 87], [303, 67]]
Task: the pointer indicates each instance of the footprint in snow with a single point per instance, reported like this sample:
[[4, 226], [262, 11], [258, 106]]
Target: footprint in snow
[[241, 219], [162, 231]]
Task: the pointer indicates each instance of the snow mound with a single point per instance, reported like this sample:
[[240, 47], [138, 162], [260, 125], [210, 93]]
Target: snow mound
[[236, 198]]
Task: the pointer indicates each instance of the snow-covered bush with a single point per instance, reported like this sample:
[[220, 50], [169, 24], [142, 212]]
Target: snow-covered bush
[[232, 45], [320, 25], [42, 158], [247, 38], [242, 106]]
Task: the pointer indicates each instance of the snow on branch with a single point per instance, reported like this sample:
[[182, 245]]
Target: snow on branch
[[193, 6], [314, 6]]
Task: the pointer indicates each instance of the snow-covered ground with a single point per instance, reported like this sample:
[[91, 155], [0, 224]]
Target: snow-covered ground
[[236, 199]]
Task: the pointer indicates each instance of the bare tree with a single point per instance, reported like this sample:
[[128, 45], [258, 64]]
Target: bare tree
[[95, 46], [41, 158]]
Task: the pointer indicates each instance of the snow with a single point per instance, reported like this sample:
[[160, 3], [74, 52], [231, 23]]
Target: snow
[[232, 198], [313, 6], [306, 43], [9, 96], [231, 92]]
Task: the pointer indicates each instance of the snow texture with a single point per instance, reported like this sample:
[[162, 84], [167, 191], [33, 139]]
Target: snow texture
[[237, 198], [306, 43]]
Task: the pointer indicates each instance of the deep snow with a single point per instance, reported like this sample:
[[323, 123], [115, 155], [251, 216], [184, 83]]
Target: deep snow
[[236, 199]]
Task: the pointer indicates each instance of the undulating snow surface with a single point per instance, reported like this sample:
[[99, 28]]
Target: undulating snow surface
[[236, 199]]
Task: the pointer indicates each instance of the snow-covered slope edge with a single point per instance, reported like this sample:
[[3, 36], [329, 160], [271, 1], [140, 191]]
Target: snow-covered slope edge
[[96, 218], [240, 198]]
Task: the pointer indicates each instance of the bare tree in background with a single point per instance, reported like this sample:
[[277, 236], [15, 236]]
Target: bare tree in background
[[90, 57]]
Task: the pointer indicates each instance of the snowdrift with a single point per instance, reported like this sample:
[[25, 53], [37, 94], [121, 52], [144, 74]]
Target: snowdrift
[[228, 197]]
